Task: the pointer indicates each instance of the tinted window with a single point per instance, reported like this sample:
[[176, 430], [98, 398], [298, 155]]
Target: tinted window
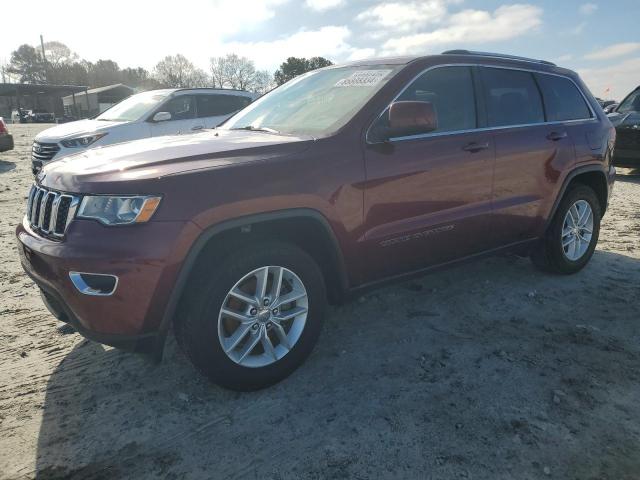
[[180, 108], [562, 100], [631, 103], [512, 97], [215, 105], [450, 90]]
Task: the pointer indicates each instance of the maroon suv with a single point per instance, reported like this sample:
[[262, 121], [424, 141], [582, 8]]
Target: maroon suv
[[339, 179]]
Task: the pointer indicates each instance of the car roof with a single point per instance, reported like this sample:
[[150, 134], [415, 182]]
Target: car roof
[[468, 54], [212, 90]]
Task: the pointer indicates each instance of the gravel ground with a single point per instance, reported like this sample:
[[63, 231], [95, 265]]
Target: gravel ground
[[491, 370]]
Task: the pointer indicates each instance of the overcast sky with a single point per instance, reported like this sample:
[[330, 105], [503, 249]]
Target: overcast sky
[[600, 39]]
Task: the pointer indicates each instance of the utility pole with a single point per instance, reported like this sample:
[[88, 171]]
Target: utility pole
[[42, 45]]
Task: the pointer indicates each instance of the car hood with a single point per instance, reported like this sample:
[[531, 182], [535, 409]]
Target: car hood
[[625, 120], [154, 158], [65, 130]]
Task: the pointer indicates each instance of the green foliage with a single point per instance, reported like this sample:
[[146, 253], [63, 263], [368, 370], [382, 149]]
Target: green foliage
[[27, 63], [295, 66], [63, 66]]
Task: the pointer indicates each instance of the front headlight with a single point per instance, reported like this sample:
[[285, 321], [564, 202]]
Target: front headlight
[[118, 210], [83, 141]]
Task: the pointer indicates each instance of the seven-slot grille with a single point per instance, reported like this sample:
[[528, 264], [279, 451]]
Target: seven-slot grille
[[50, 212], [43, 152]]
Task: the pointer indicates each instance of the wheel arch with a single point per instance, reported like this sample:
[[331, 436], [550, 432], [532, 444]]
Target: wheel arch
[[307, 228], [590, 175]]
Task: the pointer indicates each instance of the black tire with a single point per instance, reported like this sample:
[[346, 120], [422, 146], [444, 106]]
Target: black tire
[[548, 255], [197, 329]]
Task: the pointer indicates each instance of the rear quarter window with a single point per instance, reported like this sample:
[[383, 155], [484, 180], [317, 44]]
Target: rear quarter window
[[562, 99]]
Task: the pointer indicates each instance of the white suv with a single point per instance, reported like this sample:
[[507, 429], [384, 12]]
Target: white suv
[[148, 114]]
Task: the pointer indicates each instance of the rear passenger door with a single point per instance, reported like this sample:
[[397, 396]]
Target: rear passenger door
[[530, 153], [428, 196], [213, 109]]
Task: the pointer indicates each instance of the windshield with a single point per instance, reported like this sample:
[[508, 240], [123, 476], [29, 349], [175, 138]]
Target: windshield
[[317, 103], [132, 108], [631, 103]]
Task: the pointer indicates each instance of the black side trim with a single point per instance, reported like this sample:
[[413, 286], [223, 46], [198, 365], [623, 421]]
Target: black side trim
[[521, 247], [209, 233], [574, 173]]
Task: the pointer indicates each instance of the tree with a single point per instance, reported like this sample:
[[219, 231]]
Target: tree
[[57, 54], [178, 72], [233, 71], [262, 82], [28, 65], [103, 73], [139, 77], [295, 66], [68, 74]]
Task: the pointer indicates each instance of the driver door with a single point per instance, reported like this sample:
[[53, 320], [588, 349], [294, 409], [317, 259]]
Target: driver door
[[428, 196], [183, 116]]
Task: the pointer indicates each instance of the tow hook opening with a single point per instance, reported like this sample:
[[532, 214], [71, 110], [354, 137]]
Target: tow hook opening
[[98, 284]]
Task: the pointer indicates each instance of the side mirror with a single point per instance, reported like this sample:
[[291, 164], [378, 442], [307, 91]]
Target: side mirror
[[161, 117], [411, 118]]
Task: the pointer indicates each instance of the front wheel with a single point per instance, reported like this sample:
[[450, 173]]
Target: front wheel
[[571, 239], [255, 316]]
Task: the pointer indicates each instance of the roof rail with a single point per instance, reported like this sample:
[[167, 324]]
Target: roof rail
[[496, 55]]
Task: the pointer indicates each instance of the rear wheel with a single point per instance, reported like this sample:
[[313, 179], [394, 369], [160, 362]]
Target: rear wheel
[[571, 239], [256, 317]]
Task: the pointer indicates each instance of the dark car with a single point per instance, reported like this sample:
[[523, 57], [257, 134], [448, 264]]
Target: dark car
[[610, 108], [6, 139], [626, 120], [339, 180], [40, 116]]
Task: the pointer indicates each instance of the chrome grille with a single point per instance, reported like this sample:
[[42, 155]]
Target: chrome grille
[[50, 212], [43, 152]]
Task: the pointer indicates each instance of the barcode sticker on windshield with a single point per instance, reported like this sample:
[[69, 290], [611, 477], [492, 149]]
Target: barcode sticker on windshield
[[363, 78]]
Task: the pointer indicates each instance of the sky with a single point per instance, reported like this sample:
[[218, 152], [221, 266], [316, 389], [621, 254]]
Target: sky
[[600, 39]]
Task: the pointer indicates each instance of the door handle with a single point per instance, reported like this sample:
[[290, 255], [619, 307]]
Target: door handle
[[474, 147], [555, 136], [197, 127]]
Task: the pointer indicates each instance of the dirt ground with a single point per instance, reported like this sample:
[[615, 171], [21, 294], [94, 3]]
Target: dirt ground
[[491, 370]]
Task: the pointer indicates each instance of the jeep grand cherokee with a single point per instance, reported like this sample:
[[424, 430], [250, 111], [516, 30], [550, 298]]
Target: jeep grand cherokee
[[336, 181]]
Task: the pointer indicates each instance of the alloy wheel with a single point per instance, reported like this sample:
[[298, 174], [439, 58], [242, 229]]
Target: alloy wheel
[[577, 230], [263, 316]]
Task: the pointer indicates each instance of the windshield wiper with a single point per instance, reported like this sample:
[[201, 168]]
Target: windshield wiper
[[251, 128]]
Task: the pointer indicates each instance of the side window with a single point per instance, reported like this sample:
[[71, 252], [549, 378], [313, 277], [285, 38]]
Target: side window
[[562, 100], [181, 107], [216, 105], [450, 90], [631, 103], [512, 97]]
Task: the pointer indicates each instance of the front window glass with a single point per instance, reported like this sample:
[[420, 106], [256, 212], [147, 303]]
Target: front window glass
[[317, 103], [449, 90], [631, 103], [132, 108], [181, 107]]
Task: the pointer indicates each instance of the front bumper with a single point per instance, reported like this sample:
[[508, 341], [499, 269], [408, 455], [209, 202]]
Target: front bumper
[[146, 259], [6, 143]]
